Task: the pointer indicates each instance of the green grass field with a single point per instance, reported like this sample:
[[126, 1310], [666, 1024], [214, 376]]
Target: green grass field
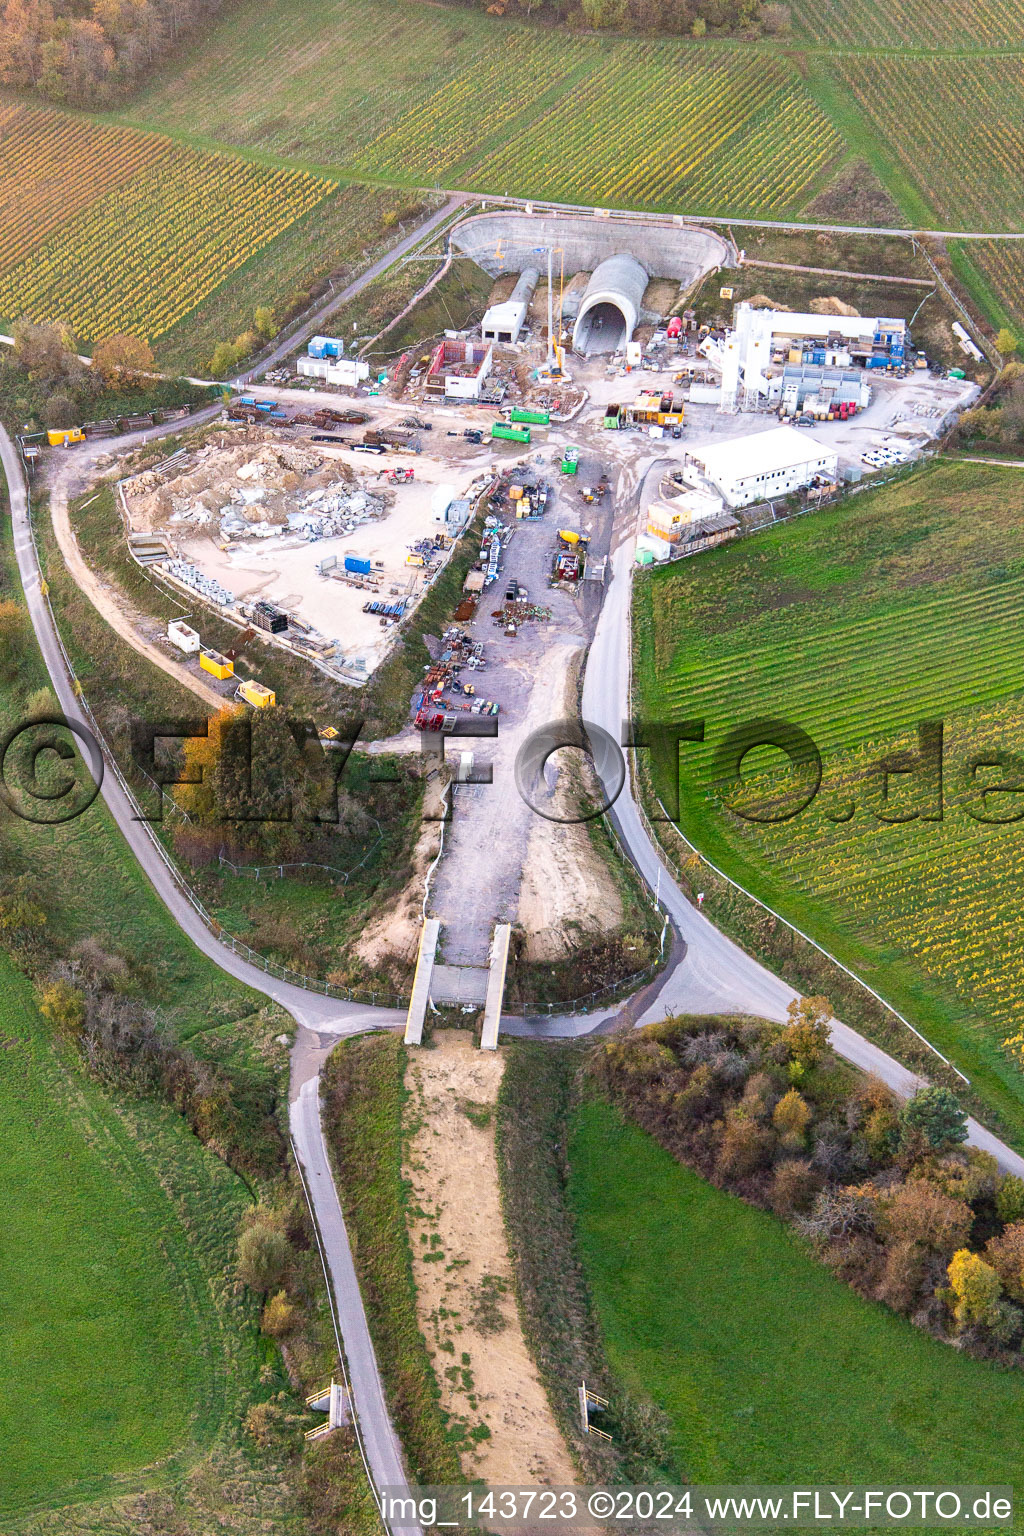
[[856, 623], [110, 1358], [770, 1369]]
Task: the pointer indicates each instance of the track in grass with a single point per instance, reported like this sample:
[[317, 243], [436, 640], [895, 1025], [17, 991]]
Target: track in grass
[[856, 624]]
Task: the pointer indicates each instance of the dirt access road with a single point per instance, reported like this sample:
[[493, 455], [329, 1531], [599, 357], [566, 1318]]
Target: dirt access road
[[479, 879], [70, 476]]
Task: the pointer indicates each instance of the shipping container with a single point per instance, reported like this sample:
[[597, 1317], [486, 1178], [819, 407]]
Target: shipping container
[[358, 563], [509, 433], [216, 664], [536, 418]]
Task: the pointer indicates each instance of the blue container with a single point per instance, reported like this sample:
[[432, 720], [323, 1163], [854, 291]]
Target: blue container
[[818, 356], [357, 564]]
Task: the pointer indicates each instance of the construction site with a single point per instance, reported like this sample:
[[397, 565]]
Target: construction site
[[324, 553]]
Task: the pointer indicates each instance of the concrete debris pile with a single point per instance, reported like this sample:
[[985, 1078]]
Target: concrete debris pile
[[248, 482]]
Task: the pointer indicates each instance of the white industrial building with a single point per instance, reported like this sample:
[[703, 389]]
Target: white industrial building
[[757, 468], [503, 322], [760, 337], [347, 371]]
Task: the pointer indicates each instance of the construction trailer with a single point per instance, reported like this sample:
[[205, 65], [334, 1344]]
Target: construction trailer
[[255, 694], [457, 369], [326, 346], [217, 665], [185, 638], [344, 371], [63, 437]]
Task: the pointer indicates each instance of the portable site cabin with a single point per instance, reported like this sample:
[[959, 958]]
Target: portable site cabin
[[255, 694], [217, 665], [185, 638]]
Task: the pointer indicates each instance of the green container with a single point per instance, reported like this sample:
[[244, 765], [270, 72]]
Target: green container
[[957, 373], [570, 461], [512, 434], [536, 418]]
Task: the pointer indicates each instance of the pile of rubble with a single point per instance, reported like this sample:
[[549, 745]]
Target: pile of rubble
[[253, 486]]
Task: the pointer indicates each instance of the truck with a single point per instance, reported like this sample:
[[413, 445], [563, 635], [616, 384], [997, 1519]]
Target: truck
[[572, 539], [509, 433]]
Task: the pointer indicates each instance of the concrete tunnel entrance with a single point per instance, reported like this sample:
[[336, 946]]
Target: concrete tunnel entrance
[[600, 329], [611, 305]]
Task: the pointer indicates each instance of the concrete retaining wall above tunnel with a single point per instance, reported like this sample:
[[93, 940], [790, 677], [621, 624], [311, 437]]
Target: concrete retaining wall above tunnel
[[508, 242], [611, 303]]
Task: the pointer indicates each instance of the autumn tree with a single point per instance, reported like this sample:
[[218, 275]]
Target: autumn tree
[[64, 1006], [791, 1117], [1006, 342], [976, 1287], [119, 360], [46, 351], [1006, 1255], [919, 1213], [264, 321], [279, 1316], [807, 1035]]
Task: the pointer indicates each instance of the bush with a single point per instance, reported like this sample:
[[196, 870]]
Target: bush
[[64, 1006], [264, 1251], [921, 1214], [279, 1316], [794, 1187], [1006, 1255]]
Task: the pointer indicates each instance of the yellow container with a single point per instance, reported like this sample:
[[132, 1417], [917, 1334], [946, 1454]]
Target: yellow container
[[515, 492], [414, 559], [216, 664], [63, 437], [795, 355], [256, 695]]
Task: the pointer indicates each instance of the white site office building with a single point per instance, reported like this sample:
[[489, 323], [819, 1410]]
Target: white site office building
[[756, 468]]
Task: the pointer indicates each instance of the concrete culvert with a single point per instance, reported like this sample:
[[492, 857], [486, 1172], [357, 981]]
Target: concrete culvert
[[611, 305]]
